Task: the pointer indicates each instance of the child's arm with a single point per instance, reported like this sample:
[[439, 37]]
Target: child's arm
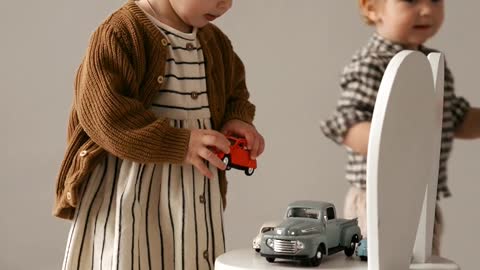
[[466, 119], [238, 105], [350, 123], [108, 110], [357, 138], [239, 111], [470, 127]]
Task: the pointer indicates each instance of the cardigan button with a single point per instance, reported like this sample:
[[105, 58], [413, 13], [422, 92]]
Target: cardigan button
[[202, 199], [194, 95], [164, 42], [83, 153], [160, 79], [69, 196], [205, 255], [190, 46]]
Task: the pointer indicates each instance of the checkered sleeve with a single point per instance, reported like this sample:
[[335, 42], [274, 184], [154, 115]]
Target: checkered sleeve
[[360, 81], [459, 105]]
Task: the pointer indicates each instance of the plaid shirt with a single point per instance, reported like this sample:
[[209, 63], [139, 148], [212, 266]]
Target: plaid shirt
[[360, 82]]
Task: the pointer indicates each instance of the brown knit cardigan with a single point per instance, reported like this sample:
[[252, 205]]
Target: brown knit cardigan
[[122, 71]]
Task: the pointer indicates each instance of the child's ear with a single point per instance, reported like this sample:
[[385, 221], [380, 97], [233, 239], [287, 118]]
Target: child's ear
[[369, 11]]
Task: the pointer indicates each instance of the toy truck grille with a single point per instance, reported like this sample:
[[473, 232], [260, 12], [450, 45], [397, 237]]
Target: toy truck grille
[[284, 246]]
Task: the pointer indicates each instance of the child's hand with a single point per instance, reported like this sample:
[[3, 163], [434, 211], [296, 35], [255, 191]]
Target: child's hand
[[198, 150], [255, 141]]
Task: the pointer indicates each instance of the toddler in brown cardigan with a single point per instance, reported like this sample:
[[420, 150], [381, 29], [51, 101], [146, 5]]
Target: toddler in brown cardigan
[[158, 88]]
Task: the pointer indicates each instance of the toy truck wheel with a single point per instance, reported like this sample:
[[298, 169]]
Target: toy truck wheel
[[364, 258], [317, 258], [249, 171], [270, 259], [226, 161], [350, 249]]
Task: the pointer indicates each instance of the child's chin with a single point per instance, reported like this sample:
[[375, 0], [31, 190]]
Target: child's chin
[[422, 40], [200, 25]]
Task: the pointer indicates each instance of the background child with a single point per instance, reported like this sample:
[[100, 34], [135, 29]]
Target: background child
[[399, 25], [156, 82]]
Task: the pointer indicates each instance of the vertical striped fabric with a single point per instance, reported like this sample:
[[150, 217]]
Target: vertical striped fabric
[[154, 216]]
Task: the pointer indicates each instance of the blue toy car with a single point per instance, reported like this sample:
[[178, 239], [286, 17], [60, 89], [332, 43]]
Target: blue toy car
[[362, 250]]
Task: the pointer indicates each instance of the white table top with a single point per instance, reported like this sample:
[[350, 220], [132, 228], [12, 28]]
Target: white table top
[[243, 259]]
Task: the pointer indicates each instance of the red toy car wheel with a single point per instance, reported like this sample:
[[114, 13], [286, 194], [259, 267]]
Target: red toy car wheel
[[249, 171], [226, 161]]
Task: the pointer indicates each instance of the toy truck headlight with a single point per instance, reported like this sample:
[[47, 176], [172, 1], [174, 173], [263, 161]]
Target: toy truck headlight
[[299, 245], [269, 242]]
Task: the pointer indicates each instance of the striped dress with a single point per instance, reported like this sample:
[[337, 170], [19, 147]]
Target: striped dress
[[154, 216]]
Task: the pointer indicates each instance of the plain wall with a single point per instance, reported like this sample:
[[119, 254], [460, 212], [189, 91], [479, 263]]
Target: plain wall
[[293, 52]]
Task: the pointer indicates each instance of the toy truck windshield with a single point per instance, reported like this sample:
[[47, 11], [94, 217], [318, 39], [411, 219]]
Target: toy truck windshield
[[300, 212]]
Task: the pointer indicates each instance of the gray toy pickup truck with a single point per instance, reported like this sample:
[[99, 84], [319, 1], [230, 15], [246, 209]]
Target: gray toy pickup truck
[[309, 232]]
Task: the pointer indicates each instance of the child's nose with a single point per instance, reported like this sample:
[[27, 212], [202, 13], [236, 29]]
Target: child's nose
[[224, 5], [426, 8]]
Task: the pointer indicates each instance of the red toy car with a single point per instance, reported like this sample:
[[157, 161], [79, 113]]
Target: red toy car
[[239, 156]]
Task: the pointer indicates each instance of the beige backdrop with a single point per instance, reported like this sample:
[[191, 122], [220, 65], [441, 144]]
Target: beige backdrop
[[293, 51]]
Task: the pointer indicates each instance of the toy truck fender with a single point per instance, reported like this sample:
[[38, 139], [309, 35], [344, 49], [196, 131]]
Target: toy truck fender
[[350, 230], [320, 240]]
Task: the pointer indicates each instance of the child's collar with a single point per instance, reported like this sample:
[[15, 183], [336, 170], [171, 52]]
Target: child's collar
[[384, 44]]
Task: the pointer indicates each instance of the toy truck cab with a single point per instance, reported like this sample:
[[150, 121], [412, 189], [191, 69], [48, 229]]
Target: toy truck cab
[[310, 231], [239, 156]]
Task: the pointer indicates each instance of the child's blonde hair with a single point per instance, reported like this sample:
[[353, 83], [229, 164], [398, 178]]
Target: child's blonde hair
[[365, 7]]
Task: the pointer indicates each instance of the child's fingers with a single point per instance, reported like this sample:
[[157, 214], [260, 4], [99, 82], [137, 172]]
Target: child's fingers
[[202, 168], [255, 148], [212, 158], [227, 132], [250, 137], [261, 147], [217, 140]]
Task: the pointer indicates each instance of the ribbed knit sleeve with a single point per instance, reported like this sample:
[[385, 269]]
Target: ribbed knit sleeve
[[109, 112], [238, 105]]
